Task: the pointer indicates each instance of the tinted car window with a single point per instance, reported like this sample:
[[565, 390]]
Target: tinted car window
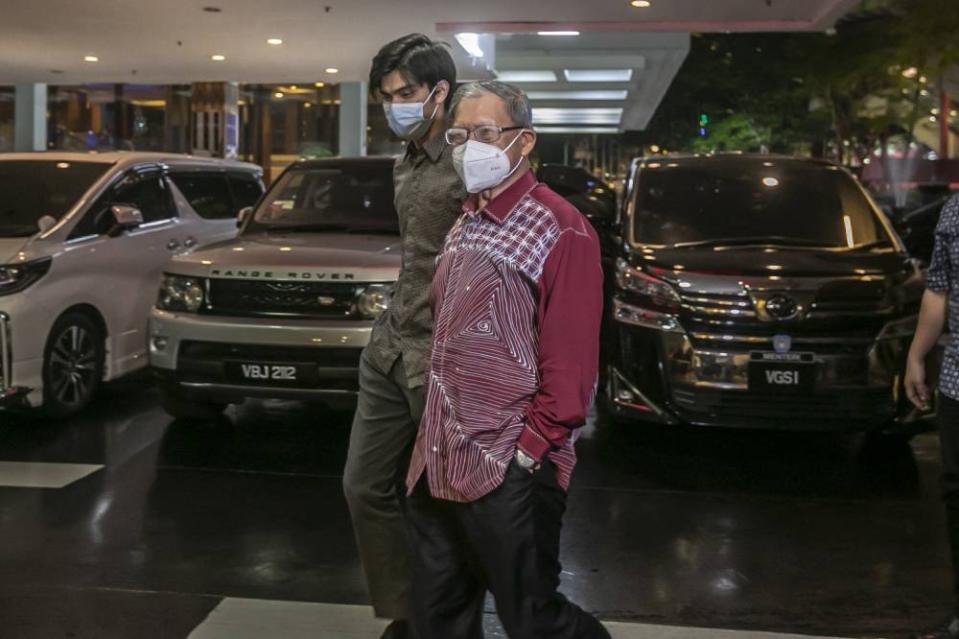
[[30, 189], [347, 199], [717, 200], [246, 190], [207, 193], [143, 191]]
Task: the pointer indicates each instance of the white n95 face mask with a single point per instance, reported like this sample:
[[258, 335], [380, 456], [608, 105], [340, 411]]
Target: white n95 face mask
[[406, 119], [483, 166]]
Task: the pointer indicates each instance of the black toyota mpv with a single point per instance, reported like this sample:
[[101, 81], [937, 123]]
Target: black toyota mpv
[[758, 291]]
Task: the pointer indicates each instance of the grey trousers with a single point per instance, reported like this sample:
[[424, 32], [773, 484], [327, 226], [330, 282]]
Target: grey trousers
[[387, 417]]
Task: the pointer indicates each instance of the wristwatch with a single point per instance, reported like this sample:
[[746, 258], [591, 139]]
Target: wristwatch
[[525, 461]]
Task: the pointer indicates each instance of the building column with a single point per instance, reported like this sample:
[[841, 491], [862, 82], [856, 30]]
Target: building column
[[30, 117], [353, 105]]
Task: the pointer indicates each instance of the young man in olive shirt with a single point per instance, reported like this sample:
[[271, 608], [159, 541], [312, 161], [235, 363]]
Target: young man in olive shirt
[[415, 78]]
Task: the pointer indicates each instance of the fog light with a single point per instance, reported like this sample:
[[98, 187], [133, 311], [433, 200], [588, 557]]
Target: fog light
[[159, 343]]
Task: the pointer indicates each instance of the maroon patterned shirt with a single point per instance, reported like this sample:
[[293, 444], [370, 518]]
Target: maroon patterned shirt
[[517, 300]]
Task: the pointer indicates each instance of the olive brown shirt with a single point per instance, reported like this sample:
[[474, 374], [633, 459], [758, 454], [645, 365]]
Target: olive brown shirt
[[429, 199]]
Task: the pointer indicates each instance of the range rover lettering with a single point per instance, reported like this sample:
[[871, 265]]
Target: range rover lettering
[[285, 309], [758, 291]]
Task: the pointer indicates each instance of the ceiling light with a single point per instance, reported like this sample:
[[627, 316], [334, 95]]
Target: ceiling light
[[63, 165], [470, 42], [654, 148], [577, 116], [598, 75], [320, 85], [578, 95], [292, 87], [218, 57], [641, 4], [557, 33], [612, 130], [307, 105], [275, 41], [332, 70], [91, 58], [770, 182], [526, 76], [278, 94]]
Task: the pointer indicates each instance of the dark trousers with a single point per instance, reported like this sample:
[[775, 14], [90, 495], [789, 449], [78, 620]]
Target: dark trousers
[[506, 542], [388, 413], [949, 445]]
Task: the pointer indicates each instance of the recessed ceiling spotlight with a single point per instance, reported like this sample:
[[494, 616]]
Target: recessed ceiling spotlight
[[91, 58], [218, 57], [332, 70], [320, 85], [275, 41], [278, 95], [641, 4]]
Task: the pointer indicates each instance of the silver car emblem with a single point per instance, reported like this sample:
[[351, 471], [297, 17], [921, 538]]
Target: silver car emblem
[[782, 307], [782, 343]]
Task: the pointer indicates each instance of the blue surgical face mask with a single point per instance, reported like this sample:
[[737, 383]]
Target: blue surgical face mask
[[406, 119]]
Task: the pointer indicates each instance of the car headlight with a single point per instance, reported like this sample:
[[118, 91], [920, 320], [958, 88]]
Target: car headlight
[[178, 293], [16, 277], [657, 292], [373, 300]]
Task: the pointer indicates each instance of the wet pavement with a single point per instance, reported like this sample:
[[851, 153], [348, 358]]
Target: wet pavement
[[804, 533]]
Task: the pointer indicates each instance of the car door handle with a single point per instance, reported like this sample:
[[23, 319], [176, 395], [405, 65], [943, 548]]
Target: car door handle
[[173, 245], [189, 242]]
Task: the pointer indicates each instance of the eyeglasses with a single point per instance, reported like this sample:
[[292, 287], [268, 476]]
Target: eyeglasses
[[488, 133]]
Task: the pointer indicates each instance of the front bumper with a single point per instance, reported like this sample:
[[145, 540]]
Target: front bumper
[[10, 395], [659, 373], [191, 352]]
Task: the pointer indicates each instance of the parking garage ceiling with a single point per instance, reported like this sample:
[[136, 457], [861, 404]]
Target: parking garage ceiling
[[640, 48]]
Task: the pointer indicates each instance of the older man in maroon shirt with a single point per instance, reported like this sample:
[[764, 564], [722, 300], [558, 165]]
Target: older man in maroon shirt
[[517, 303]]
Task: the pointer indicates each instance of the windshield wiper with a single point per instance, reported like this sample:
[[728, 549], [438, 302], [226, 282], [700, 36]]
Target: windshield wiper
[[870, 245], [759, 240], [300, 228], [17, 231]]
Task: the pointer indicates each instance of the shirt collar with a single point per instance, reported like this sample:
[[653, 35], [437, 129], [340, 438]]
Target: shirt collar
[[433, 148], [500, 207]]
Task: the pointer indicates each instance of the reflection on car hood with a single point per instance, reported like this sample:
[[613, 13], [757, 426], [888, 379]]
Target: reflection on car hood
[[772, 261], [10, 247], [297, 256]]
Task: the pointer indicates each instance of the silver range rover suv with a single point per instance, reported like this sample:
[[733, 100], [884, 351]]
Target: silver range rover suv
[[285, 309]]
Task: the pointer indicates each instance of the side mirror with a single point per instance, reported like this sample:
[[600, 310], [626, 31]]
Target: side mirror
[[245, 214], [46, 223], [125, 217]]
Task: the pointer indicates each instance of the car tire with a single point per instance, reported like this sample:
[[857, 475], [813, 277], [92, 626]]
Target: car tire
[[73, 362], [178, 406]]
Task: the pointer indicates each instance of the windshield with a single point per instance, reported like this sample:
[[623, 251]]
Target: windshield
[[351, 199], [740, 203], [30, 189]]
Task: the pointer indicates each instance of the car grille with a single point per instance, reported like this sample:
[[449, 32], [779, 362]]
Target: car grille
[[833, 325], [308, 300]]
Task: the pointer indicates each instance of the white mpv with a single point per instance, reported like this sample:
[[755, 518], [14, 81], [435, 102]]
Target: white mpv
[[83, 241]]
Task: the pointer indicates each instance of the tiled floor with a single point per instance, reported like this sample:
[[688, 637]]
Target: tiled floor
[[123, 523]]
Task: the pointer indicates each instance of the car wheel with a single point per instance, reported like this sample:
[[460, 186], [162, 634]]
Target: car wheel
[[72, 365], [177, 405]]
